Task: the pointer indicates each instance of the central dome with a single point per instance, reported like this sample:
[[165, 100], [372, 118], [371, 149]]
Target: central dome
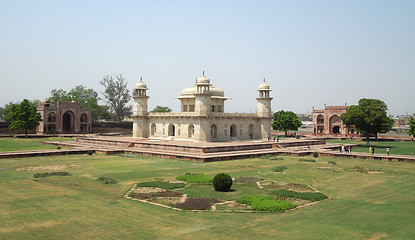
[[190, 91], [203, 80]]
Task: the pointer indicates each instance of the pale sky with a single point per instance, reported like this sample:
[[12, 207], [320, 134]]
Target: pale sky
[[310, 52]]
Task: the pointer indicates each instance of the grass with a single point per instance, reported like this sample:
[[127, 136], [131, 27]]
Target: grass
[[395, 147], [364, 206], [22, 144]]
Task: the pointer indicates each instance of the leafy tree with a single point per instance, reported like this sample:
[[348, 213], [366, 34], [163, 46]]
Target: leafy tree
[[117, 95], [87, 98], [161, 109], [411, 131], [23, 116], [285, 120], [369, 117]]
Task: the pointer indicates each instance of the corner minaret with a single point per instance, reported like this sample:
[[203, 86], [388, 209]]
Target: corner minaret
[[140, 98], [264, 109], [264, 100], [203, 96], [140, 128]]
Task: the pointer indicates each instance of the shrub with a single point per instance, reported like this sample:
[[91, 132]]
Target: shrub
[[222, 182], [160, 184], [58, 148], [197, 203], [315, 154], [106, 180], [48, 174], [90, 152], [307, 160], [332, 163], [195, 178], [279, 169], [309, 196], [265, 203]]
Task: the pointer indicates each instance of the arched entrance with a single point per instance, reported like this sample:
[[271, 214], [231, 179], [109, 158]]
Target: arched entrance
[[336, 130], [213, 131], [251, 131], [191, 131], [68, 121], [335, 124], [172, 130], [233, 130]]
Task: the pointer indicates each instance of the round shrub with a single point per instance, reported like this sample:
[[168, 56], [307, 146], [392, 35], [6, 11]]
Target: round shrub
[[222, 182], [58, 148], [315, 154], [90, 152]]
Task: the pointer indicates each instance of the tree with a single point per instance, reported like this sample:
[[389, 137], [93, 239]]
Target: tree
[[117, 95], [369, 117], [87, 98], [222, 182], [161, 109], [411, 131], [284, 121], [23, 116]]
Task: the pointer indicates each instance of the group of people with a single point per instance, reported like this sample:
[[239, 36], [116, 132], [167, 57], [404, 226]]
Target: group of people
[[347, 149]]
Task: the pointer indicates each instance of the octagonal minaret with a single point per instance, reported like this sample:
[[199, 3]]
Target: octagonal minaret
[[140, 112], [264, 109]]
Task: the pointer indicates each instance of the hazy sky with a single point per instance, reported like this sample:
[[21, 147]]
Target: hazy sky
[[310, 52]]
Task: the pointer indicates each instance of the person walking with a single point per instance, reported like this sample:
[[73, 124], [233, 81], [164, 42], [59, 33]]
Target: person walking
[[371, 150], [343, 150], [387, 151]]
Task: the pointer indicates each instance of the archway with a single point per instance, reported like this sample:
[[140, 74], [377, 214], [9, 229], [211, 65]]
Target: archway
[[153, 129], [335, 123], [251, 131], [233, 130], [213, 131], [191, 131], [320, 119], [68, 121], [172, 130]]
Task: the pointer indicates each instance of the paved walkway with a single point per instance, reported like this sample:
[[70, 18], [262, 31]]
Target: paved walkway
[[188, 151]]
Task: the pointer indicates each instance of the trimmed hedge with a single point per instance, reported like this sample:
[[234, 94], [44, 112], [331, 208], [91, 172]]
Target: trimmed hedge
[[266, 203], [307, 160], [106, 180], [153, 195], [159, 184], [195, 178], [222, 182], [48, 174], [279, 169], [309, 196]]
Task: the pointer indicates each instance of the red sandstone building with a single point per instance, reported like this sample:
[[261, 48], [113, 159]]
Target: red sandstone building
[[66, 117], [328, 121]]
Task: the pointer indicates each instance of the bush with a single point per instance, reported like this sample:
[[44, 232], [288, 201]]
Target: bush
[[279, 169], [48, 174], [106, 180], [195, 178], [58, 148], [197, 203], [222, 182], [315, 154], [90, 152], [307, 160], [265, 203], [309, 196], [160, 184], [332, 163]]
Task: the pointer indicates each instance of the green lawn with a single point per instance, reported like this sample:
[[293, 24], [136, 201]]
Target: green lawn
[[364, 206], [396, 147], [22, 144]]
